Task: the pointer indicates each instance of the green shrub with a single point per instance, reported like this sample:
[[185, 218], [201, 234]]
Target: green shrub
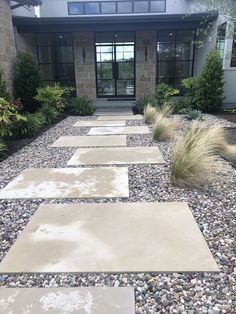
[[149, 114], [194, 115], [163, 93], [142, 104], [32, 125], [8, 115], [211, 85], [182, 105], [195, 158], [205, 92], [53, 96], [27, 80], [3, 88], [3, 149], [51, 114], [165, 110], [81, 106]]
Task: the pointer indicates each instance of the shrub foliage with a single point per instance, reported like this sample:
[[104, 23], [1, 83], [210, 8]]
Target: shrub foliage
[[81, 106], [27, 80], [3, 88]]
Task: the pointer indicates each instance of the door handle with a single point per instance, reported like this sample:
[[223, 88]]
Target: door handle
[[115, 70]]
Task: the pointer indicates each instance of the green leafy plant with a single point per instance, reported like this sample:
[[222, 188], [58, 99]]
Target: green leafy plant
[[27, 80], [31, 126], [195, 158], [3, 149], [181, 105], [163, 93], [4, 93], [163, 128], [50, 114], [81, 106], [51, 95], [194, 115], [142, 104], [149, 114], [8, 115], [205, 92]]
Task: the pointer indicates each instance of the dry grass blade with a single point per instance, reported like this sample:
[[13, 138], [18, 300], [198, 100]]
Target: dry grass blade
[[166, 110], [163, 128], [195, 159], [149, 114]]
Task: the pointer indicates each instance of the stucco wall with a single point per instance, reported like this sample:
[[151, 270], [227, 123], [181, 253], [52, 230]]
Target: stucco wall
[[85, 69], [7, 46], [145, 69], [58, 8]]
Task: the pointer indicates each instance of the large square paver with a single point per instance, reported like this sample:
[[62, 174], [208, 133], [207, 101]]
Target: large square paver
[[119, 130], [90, 141], [68, 183], [92, 123], [67, 300], [116, 118], [114, 111], [111, 237], [118, 155]]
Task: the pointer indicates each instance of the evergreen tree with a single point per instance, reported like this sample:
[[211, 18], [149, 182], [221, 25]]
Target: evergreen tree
[[27, 80], [210, 93]]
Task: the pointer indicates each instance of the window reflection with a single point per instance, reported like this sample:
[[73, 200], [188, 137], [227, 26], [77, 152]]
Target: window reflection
[[175, 52]]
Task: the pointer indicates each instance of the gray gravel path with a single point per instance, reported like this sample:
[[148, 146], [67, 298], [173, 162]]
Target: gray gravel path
[[214, 209]]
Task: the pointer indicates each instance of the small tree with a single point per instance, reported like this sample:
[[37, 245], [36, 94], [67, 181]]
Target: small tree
[[3, 88], [211, 83], [27, 80]]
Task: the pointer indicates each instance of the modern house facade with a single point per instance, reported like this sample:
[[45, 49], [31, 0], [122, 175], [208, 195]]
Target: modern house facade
[[118, 48]]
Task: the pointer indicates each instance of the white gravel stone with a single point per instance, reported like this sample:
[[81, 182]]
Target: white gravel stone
[[213, 208]]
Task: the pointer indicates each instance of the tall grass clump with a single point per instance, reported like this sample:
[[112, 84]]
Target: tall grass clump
[[166, 109], [149, 113], [163, 128], [196, 156]]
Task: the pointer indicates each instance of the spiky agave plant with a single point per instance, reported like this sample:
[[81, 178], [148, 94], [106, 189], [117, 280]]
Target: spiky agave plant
[[196, 156], [163, 128], [149, 114]]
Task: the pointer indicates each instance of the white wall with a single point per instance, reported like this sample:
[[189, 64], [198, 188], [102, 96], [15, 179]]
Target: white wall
[[57, 8]]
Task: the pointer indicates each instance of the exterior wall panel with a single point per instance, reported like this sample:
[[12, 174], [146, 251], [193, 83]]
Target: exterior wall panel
[[145, 66], [7, 47], [85, 64]]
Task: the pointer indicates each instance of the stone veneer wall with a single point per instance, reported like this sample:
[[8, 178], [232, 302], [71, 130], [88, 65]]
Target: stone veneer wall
[[85, 69], [7, 42], [145, 69]]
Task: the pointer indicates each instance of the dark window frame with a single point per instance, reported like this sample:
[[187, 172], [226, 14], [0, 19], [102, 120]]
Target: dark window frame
[[116, 7], [54, 45], [174, 61]]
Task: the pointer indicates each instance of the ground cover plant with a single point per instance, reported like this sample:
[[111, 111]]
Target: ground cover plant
[[196, 155], [81, 106], [194, 114], [163, 94]]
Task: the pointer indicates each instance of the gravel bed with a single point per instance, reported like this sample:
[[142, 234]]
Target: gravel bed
[[214, 209]]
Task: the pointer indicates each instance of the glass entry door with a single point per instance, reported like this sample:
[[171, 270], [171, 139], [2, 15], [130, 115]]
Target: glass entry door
[[115, 65]]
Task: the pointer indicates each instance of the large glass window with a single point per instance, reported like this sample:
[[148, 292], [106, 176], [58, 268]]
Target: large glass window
[[233, 57], [116, 7], [56, 58], [175, 51]]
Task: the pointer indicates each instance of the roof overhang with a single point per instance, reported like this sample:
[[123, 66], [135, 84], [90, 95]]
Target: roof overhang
[[115, 23]]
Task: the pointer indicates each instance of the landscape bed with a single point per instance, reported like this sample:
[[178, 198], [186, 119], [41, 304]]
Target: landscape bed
[[213, 208]]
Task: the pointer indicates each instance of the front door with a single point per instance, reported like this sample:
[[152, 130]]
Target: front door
[[115, 72]]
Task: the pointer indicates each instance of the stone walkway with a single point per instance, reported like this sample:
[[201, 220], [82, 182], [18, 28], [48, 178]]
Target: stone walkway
[[112, 237]]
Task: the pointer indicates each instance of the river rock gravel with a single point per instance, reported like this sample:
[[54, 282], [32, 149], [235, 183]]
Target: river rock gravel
[[213, 207]]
